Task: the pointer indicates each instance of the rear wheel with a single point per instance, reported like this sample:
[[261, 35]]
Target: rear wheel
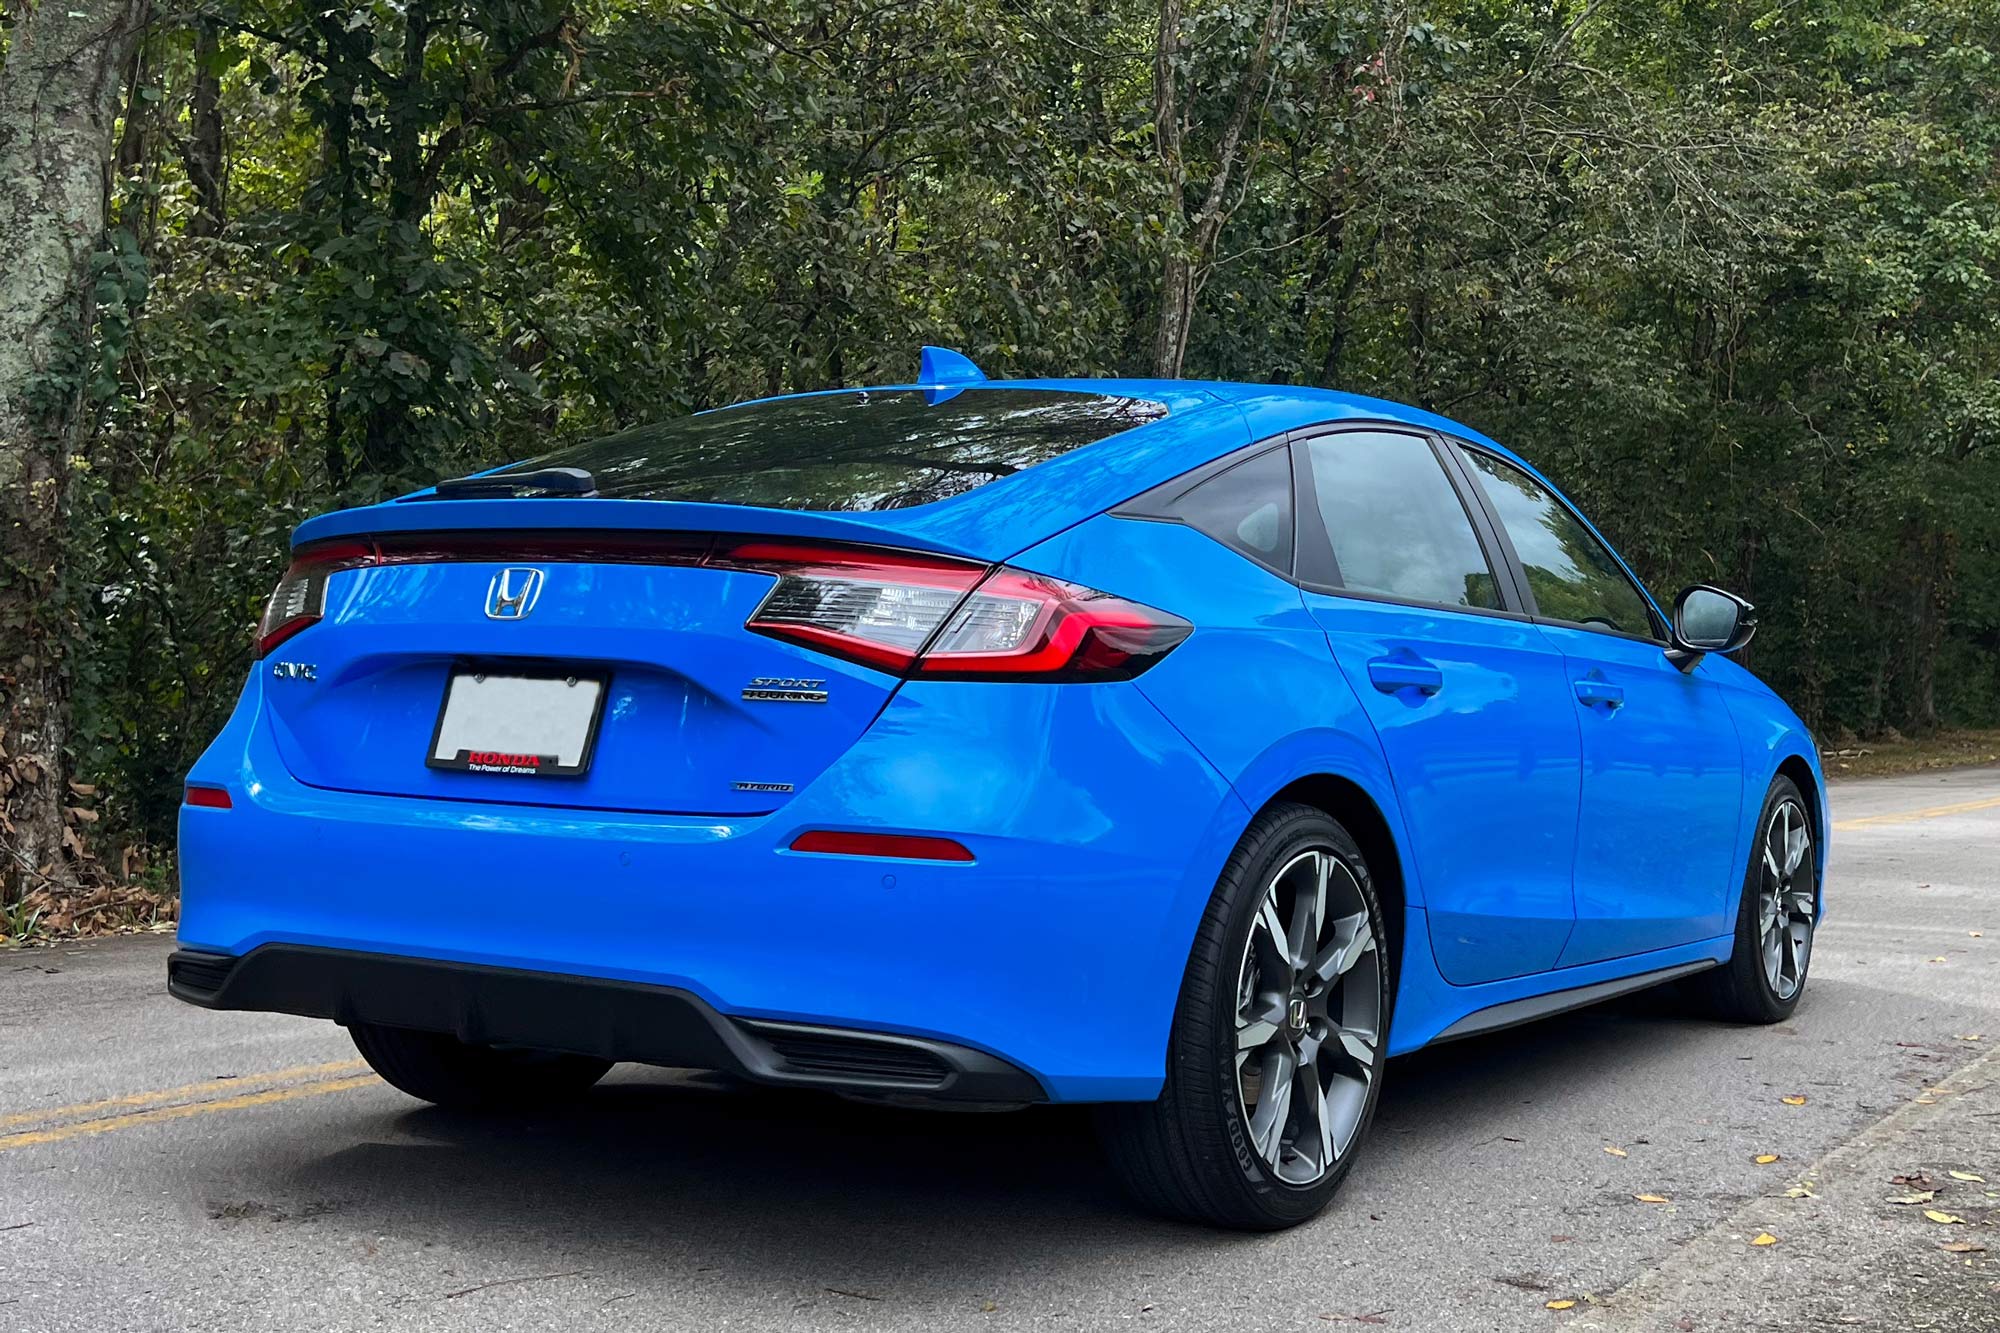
[[436, 1067], [1766, 973], [1274, 1063]]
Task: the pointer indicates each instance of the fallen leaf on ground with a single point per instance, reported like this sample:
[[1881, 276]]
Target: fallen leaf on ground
[[1975, 934], [1562, 1240], [1945, 1219], [1764, 1238], [1967, 1175], [1800, 1192], [1962, 1247], [1921, 1196], [1916, 1180], [1765, 1158], [1796, 1099], [1968, 1036], [1651, 1198], [1560, 1305], [1938, 959], [1616, 1152]]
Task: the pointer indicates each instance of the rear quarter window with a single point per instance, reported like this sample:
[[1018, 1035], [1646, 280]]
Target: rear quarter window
[[848, 451]]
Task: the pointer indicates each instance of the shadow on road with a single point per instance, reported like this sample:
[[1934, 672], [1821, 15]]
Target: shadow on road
[[791, 1187]]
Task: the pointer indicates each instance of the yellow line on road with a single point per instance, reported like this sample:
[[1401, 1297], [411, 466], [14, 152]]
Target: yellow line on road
[[163, 1113], [1909, 816], [186, 1093]]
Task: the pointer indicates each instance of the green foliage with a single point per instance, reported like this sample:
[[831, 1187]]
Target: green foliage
[[1727, 271]]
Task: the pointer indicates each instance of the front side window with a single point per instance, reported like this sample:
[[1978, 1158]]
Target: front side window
[[848, 451], [1396, 524], [1571, 574]]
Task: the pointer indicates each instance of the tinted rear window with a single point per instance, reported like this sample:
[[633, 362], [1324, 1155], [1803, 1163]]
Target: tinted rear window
[[848, 451]]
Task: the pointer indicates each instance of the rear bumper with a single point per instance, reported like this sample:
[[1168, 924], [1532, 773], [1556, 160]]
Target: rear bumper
[[613, 1020], [1097, 832]]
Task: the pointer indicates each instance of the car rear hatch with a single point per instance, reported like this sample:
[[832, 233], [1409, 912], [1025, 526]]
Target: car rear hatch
[[579, 643]]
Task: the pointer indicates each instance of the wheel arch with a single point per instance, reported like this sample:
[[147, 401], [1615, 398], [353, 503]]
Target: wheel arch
[[1358, 812]]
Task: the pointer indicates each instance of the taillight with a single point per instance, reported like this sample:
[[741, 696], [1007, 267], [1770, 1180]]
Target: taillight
[[875, 607], [299, 599], [949, 619], [1020, 626]]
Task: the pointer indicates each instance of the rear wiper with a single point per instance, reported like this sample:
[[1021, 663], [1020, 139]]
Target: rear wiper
[[550, 482]]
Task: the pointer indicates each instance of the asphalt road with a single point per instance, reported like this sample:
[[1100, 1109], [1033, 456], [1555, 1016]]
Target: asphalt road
[[162, 1167]]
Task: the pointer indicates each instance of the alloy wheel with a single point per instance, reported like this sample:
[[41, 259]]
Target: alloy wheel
[[1308, 1017], [1786, 899]]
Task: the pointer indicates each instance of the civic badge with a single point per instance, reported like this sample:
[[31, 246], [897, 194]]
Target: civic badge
[[512, 594]]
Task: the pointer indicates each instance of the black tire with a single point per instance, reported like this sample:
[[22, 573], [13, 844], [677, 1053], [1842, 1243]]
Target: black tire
[[1741, 991], [438, 1068], [1191, 1155]]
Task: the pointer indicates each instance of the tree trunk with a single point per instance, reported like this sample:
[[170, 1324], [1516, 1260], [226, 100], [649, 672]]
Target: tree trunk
[[1190, 244], [58, 103], [203, 154]]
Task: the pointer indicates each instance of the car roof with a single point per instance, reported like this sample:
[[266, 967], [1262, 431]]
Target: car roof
[[1204, 421]]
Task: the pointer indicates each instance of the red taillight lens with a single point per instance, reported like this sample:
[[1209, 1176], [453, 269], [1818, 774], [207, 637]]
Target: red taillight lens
[[905, 845], [1020, 626], [214, 798], [300, 597]]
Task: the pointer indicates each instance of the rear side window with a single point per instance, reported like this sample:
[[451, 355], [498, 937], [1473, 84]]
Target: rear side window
[[1247, 508], [1572, 576], [848, 451], [1395, 521]]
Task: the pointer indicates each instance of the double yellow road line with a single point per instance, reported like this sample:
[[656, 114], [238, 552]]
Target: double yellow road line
[[28, 1129], [1911, 816]]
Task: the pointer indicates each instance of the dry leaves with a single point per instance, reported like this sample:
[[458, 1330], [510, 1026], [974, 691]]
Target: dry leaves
[[1652, 1198], [1560, 1305], [1967, 1175], [1616, 1152], [1764, 1238], [1916, 1181], [1921, 1196], [1796, 1099], [1765, 1158], [1962, 1247], [1945, 1219]]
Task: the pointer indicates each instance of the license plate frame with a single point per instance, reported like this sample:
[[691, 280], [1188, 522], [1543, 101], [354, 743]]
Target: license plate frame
[[527, 756]]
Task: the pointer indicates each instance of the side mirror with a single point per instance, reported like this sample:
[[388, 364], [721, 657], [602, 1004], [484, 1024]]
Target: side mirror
[[1709, 620]]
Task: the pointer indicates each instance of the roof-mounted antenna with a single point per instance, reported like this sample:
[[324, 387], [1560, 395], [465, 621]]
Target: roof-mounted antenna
[[944, 374]]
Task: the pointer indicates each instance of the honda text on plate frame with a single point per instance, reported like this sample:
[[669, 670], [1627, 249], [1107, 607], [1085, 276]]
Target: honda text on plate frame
[[1188, 748]]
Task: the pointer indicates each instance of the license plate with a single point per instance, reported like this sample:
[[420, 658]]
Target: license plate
[[518, 724]]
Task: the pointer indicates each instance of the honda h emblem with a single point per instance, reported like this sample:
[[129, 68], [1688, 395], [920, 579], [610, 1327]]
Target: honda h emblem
[[513, 594]]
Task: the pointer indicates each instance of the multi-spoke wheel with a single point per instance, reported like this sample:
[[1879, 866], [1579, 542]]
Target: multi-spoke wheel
[[1786, 901], [1275, 1059], [1308, 1016], [1764, 978]]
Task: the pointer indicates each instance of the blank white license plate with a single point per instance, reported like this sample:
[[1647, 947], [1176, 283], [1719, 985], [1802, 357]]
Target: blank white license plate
[[518, 725]]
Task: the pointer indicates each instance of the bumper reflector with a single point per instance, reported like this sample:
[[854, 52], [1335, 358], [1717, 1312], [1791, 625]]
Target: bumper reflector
[[215, 798], [906, 846]]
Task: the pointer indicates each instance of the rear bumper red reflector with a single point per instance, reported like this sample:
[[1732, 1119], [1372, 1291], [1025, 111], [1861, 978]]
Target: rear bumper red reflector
[[215, 798], [905, 846]]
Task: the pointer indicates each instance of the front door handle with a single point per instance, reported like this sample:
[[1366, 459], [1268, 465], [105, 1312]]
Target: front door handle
[[1601, 692], [1390, 674]]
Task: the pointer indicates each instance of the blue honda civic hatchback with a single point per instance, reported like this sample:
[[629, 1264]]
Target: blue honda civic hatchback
[[1185, 748]]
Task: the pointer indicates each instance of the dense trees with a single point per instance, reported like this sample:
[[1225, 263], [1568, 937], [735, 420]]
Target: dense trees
[[1725, 268]]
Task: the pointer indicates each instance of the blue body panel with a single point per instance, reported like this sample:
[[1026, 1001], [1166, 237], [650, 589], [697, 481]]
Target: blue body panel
[[1544, 843]]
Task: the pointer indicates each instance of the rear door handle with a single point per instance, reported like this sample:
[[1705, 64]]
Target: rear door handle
[[1390, 674], [1601, 692]]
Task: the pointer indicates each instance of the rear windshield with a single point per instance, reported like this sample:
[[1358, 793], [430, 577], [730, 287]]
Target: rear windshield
[[848, 451]]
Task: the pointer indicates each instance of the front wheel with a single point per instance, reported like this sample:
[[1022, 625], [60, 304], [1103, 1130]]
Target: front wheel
[[439, 1068], [1275, 1059], [1766, 972]]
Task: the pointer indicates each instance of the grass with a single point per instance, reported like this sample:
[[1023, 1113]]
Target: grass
[[1897, 754]]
